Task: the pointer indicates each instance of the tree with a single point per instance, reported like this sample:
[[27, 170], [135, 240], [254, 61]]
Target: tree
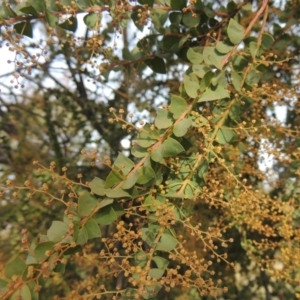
[[192, 209]]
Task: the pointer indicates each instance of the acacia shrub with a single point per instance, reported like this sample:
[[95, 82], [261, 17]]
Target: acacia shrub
[[169, 218]]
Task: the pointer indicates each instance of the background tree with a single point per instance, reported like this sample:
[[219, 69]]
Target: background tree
[[192, 208]]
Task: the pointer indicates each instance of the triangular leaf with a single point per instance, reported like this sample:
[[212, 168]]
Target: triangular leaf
[[86, 203], [92, 229], [214, 94], [171, 147], [225, 135], [181, 128], [16, 266], [97, 186], [157, 65], [177, 106], [163, 119], [57, 231], [167, 243], [191, 85]]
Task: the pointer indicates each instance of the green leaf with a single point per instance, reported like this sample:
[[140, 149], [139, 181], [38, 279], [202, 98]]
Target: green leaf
[[213, 57], [267, 41], [194, 57], [236, 80], [152, 202], [181, 128], [171, 147], [220, 79], [91, 20], [70, 24], [151, 291], [135, 16], [167, 243], [159, 17], [97, 186], [24, 28], [123, 163], [178, 106], [3, 286], [147, 137], [240, 63], [235, 31], [129, 294], [157, 154], [161, 262], [7, 12], [157, 65], [224, 135], [156, 273], [108, 214], [92, 229], [117, 193], [15, 266], [214, 94], [253, 77], [200, 70], [51, 18], [148, 2], [57, 231], [178, 4], [83, 4], [140, 152], [209, 12], [203, 169], [114, 178], [86, 203], [175, 17], [149, 234], [254, 49], [223, 47], [29, 10], [236, 112], [170, 43], [130, 180], [82, 237], [146, 173], [190, 20], [41, 248], [140, 258], [191, 85], [163, 119], [22, 293]]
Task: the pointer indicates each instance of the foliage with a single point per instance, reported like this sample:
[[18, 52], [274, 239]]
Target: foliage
[[193, 210]]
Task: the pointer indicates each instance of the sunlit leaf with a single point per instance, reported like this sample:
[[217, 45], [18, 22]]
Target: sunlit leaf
[[163, 119], [86, 203], [235, 31], [225, 135], [108, 214], [194, 57], [15, 266], [91, 20], [191, 85], [181, 128], [167, 243], [214, 94], [97, 186], [57, 231], [41, 248], [177, 106]]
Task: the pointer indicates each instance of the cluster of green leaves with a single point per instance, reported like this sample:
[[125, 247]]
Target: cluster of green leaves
[[188, 154]]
